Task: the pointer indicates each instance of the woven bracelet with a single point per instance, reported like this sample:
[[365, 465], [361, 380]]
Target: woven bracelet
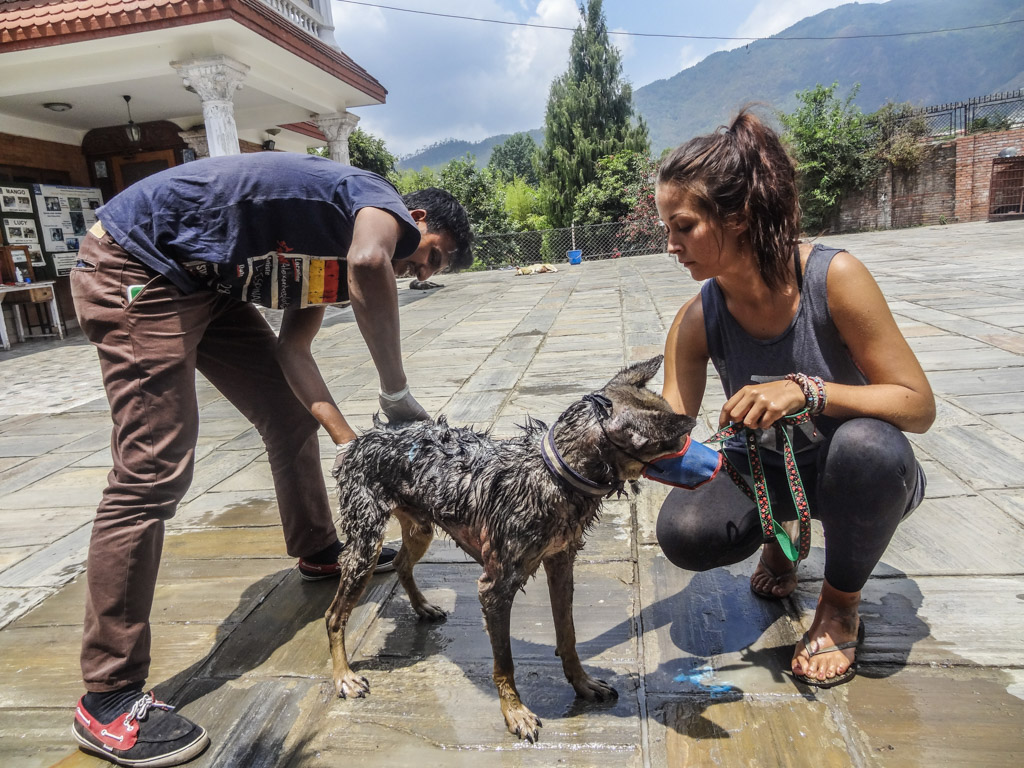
[[813, 388], [819, 385]]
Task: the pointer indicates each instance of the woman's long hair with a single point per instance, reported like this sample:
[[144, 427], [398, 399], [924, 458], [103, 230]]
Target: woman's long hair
[[743, 171]]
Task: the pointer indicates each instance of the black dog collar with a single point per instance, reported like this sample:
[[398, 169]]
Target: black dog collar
[[556, 464]]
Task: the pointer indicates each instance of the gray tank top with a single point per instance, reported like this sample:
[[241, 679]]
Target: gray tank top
[[811, 344]]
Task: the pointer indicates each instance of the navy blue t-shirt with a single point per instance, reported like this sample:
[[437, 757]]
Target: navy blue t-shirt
[[224, 223]]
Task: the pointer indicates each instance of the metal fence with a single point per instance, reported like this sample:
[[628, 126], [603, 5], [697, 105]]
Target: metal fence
[[571, 245], [997, 112]]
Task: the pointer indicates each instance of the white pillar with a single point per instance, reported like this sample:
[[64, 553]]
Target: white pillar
[[215, 81], [326, 29], [337, 127]]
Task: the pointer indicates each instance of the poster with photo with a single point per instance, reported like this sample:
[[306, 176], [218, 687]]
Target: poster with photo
[[15, 200], [20, 231], [63, 262], [35, 254], [65, 213]]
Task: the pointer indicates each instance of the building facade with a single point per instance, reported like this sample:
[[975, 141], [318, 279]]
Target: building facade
[[101, 93]]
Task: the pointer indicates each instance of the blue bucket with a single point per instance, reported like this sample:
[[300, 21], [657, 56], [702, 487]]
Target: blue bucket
[[575, 257]]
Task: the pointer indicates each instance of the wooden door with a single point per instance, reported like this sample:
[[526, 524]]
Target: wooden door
[[131, 168]]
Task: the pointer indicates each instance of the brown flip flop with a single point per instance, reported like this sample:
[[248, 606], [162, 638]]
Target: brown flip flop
[[841, 678]]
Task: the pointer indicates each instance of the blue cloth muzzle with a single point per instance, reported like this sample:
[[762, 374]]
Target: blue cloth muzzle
[[690, 468]]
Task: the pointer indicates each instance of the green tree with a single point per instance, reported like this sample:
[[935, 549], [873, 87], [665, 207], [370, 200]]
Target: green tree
[[608, 198], [514, 158], [410, 180], [365, 151], [642, 223], [895, 138], [830, 141], [589, 115], [523, 205], [479, 194], [368, 152]]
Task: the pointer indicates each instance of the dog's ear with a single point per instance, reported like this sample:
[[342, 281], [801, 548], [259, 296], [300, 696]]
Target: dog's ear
[[638, 374], [641, 429]]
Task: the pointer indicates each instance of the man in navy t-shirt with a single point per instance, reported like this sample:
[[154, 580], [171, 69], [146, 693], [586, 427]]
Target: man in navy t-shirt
[[166, 285]]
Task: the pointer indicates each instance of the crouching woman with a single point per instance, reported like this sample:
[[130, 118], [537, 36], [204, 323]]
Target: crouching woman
[[788, 326]]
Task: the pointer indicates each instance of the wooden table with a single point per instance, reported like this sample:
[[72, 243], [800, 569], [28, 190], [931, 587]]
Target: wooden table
[[33, 290]]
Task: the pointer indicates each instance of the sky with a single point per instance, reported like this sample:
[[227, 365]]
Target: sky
[[454, 78]]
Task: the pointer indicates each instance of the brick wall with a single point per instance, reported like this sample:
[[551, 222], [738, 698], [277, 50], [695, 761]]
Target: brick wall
[[951, 184], [867, 208], [898, 198], [48, 155], [926, 194], [974, 169]]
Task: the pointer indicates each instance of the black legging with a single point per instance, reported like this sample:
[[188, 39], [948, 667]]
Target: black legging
[[861, 484]]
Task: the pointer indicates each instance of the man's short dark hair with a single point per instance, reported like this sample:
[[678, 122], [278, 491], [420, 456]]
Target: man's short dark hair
[[445, 214]]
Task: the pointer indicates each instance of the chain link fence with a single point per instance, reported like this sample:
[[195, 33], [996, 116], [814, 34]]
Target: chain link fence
[[571, 245], [997, 112]]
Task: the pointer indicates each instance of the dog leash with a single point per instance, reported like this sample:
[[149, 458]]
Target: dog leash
[[759, 495]]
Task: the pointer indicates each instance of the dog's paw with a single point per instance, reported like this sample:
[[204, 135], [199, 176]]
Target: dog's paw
[[523, 723], [351, 686], [429, 612], [592, 689]]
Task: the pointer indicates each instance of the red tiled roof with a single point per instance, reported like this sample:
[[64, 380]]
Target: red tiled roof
[[28, 24]]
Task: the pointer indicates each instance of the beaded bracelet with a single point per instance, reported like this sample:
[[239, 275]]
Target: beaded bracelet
[[813, 388]]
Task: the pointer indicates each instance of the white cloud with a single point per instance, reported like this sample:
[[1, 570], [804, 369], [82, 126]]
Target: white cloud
[[452, 78], [361, 17], [448, 78], [689, 55], [626, 45], [770, 17], [542, 53]]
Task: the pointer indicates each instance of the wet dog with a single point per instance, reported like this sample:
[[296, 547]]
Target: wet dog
[[512, 505]]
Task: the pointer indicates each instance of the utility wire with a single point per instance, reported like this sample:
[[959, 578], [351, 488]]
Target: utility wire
[[681, 37]]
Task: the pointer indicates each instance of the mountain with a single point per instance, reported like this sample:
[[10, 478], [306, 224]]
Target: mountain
[[920, 69], [438, 154]]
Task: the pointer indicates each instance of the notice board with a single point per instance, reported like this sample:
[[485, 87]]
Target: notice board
[[65, 215]]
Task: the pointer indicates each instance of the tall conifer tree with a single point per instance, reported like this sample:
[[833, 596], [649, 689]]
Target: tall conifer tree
[[589, 115]]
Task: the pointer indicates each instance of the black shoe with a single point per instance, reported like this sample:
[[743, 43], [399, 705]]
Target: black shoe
[[148, 735], [317, 571]]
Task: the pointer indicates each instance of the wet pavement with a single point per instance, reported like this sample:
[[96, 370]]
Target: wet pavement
[[699, 662]]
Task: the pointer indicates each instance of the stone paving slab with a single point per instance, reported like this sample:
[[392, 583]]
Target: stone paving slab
[[792, 732], [937, 716], [437, 713], [604, 626], [699, 662], [30, 527]]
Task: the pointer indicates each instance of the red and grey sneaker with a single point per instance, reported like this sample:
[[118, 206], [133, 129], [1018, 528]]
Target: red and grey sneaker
[[316, 571], [149, 735]]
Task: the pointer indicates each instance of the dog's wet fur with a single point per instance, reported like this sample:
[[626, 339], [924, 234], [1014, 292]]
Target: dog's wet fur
[[500, 503]]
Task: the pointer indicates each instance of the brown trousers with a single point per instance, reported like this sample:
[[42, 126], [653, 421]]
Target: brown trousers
[[150, 350]]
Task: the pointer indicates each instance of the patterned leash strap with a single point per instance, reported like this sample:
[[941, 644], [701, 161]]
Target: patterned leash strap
[[759, 495]]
